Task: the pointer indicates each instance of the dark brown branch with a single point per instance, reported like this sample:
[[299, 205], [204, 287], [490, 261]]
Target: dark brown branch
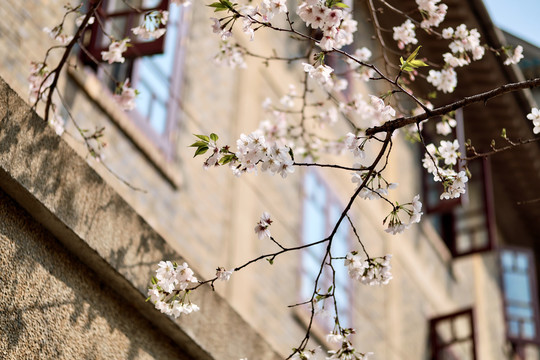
[[331, 166], [512, 145], [93, 7], [482, 97]]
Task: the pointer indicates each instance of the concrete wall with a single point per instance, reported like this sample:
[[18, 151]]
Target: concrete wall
[[86, 296]]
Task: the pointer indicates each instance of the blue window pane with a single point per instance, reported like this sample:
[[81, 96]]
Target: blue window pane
[[150, 3], [320, 213], [513, 328], [507, 260], [153, 78], [314, 225], [522, 263], [528, 330], [517, 284], [158, 117], [155, 75], [516, 312], [516, 287], [143, 100]]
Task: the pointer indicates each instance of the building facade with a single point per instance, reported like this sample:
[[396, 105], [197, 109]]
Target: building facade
[[464, 282]]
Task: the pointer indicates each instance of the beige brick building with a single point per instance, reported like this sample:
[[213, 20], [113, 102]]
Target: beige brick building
[[79, 246]]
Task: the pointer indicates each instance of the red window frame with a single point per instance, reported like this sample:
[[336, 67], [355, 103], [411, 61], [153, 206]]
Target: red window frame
[[97, 41], [131, 68], [452, 215], [534, 307], [440, 348]]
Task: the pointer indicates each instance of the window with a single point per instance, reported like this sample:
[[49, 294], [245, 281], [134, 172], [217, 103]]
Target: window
[[520, 296], [321, 211], [116, 18], [154, 67], [452, 336], [466, 224]]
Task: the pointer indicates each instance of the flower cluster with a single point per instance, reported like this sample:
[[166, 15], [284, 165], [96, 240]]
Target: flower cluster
[[230, 55], [516, 56], [464, 41], [362, 73], [372, 113], [465, 47], [374, 271], [222, 274], [269, 8], [444, 127], [252, 150], [412, 209], [152, 26], [355, 144], [453, 182], [534, 116], [336, 25], [322, 73], [57, 34], [125, 96], [116, 49], [404, 34], [262, 229], [444, 80], [37, 82], [432, 12], [348, 352], [170, 288]]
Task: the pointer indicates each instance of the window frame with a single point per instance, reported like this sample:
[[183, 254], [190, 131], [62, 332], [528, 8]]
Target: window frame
[[137, 48], [446, 209], [436, 348], [533, 287], [164, 142]]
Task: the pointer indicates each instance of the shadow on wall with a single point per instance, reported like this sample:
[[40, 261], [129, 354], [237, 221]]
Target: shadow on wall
[[52, 306]]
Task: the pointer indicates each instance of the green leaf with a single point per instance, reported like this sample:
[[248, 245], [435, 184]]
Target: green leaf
[[214, 137], [329, 289], [218, 6], [203, 137], [417, 63], [414, 54], [227, 159], [201, 150], [199, 144], [341, 5], [154, 280], [270, 261], [412, 63]]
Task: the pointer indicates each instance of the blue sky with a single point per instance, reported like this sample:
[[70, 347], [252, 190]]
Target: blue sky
[[518, 17]]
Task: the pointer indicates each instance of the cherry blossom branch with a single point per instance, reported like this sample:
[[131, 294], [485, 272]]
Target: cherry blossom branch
[[379, 36], [274, 57], [95, 136], [331, 166], [93, 8], [357, 236], [442, 110], [512, 144], [371, 170]]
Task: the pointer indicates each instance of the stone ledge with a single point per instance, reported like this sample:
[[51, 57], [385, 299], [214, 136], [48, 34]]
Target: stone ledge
[[57, 188]]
